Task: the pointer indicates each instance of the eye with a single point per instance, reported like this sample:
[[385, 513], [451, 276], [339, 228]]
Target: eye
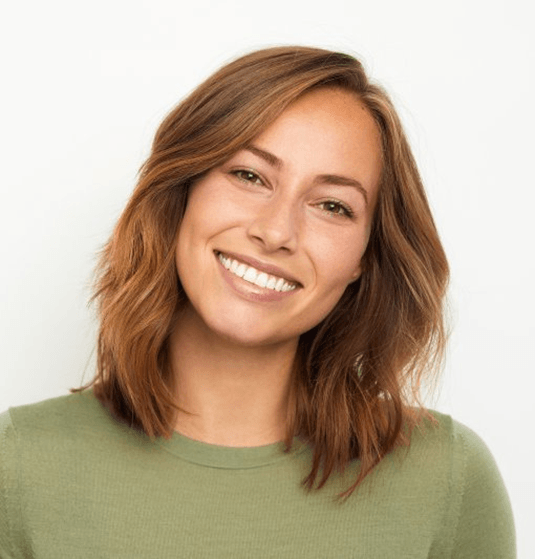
[[247, 176], [336, 208]]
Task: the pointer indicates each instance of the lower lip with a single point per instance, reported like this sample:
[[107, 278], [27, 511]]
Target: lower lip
[[252, 291]]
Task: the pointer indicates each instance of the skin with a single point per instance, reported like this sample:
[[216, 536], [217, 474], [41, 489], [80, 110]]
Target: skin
[[232, 354]]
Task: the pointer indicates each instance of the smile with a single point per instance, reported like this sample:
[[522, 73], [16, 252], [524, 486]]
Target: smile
[[254, 276]]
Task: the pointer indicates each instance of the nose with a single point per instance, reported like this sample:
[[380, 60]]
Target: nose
[[274, 226]]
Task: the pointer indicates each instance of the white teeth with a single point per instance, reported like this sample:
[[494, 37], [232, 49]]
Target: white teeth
[[252, 275], [261, 280]]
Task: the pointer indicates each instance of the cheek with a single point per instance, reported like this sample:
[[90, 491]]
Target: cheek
[[210, 209], [337, 265], [200, 218], [338, 261], [207, 214]]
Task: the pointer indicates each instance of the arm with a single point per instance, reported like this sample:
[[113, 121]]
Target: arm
[[12, 542], [485, 527]]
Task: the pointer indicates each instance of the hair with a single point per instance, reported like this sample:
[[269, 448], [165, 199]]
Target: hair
[[357, 374]]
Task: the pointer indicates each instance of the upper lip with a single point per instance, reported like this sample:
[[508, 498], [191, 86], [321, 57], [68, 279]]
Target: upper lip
[[262, 266]]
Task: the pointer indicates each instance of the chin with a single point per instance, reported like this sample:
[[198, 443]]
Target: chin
[[246, 334], [249, 337]]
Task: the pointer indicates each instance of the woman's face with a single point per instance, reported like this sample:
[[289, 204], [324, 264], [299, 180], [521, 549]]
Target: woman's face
[[271, 238]]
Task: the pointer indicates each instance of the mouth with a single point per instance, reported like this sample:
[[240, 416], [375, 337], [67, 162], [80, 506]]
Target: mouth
[[254, 275]]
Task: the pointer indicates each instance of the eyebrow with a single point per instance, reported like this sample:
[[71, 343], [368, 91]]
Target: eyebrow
[[339, 180]]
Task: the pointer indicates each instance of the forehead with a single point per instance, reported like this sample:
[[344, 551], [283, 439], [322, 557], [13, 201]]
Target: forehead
[[327, 130]]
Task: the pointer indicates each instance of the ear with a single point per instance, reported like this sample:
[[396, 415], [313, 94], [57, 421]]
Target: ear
[[355, 275]]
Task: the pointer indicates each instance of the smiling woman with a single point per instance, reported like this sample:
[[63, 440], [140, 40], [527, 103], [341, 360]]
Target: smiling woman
[[269, 302], [292, 211]]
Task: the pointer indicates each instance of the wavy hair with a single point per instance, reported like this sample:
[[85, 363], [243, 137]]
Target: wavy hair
[[357, 374]]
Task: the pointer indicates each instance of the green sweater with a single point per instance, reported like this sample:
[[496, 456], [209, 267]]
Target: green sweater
[[75, 483]]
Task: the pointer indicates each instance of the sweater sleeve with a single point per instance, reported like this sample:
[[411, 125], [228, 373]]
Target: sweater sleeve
[[484, 527], [12, 545]]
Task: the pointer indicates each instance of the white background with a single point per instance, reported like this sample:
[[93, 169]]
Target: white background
[[86, 84]]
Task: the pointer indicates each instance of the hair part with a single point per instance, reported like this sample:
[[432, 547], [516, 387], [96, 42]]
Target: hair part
[[357, 374]]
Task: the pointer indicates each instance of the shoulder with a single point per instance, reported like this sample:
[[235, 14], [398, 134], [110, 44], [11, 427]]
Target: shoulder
[[65, 416], [444, 446], [469, 459], [66, 425], [34, 440], [54, 453], [47, 444], [465, 457], [477, 515], [441, 432], [53, 411]]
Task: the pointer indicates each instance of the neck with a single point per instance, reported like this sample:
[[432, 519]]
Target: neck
[[236, 395]]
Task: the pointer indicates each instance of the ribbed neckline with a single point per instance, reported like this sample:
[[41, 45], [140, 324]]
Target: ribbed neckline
[[229, 457], [211, 455]]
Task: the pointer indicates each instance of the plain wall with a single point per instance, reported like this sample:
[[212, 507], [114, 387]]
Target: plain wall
[[85, 86]]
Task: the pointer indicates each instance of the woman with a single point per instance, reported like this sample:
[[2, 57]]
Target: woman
[[269, 302]]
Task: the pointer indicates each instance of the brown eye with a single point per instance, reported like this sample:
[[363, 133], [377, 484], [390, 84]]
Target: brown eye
[[337, 208], [247, 176]]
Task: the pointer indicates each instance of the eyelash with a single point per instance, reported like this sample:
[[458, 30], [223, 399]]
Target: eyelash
[[346, 210], [237, 172]]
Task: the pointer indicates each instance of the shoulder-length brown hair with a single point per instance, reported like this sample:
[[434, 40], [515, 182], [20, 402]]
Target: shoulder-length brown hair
[[356, 374]]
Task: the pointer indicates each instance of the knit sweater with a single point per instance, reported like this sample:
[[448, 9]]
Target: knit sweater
[[75, 483]]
